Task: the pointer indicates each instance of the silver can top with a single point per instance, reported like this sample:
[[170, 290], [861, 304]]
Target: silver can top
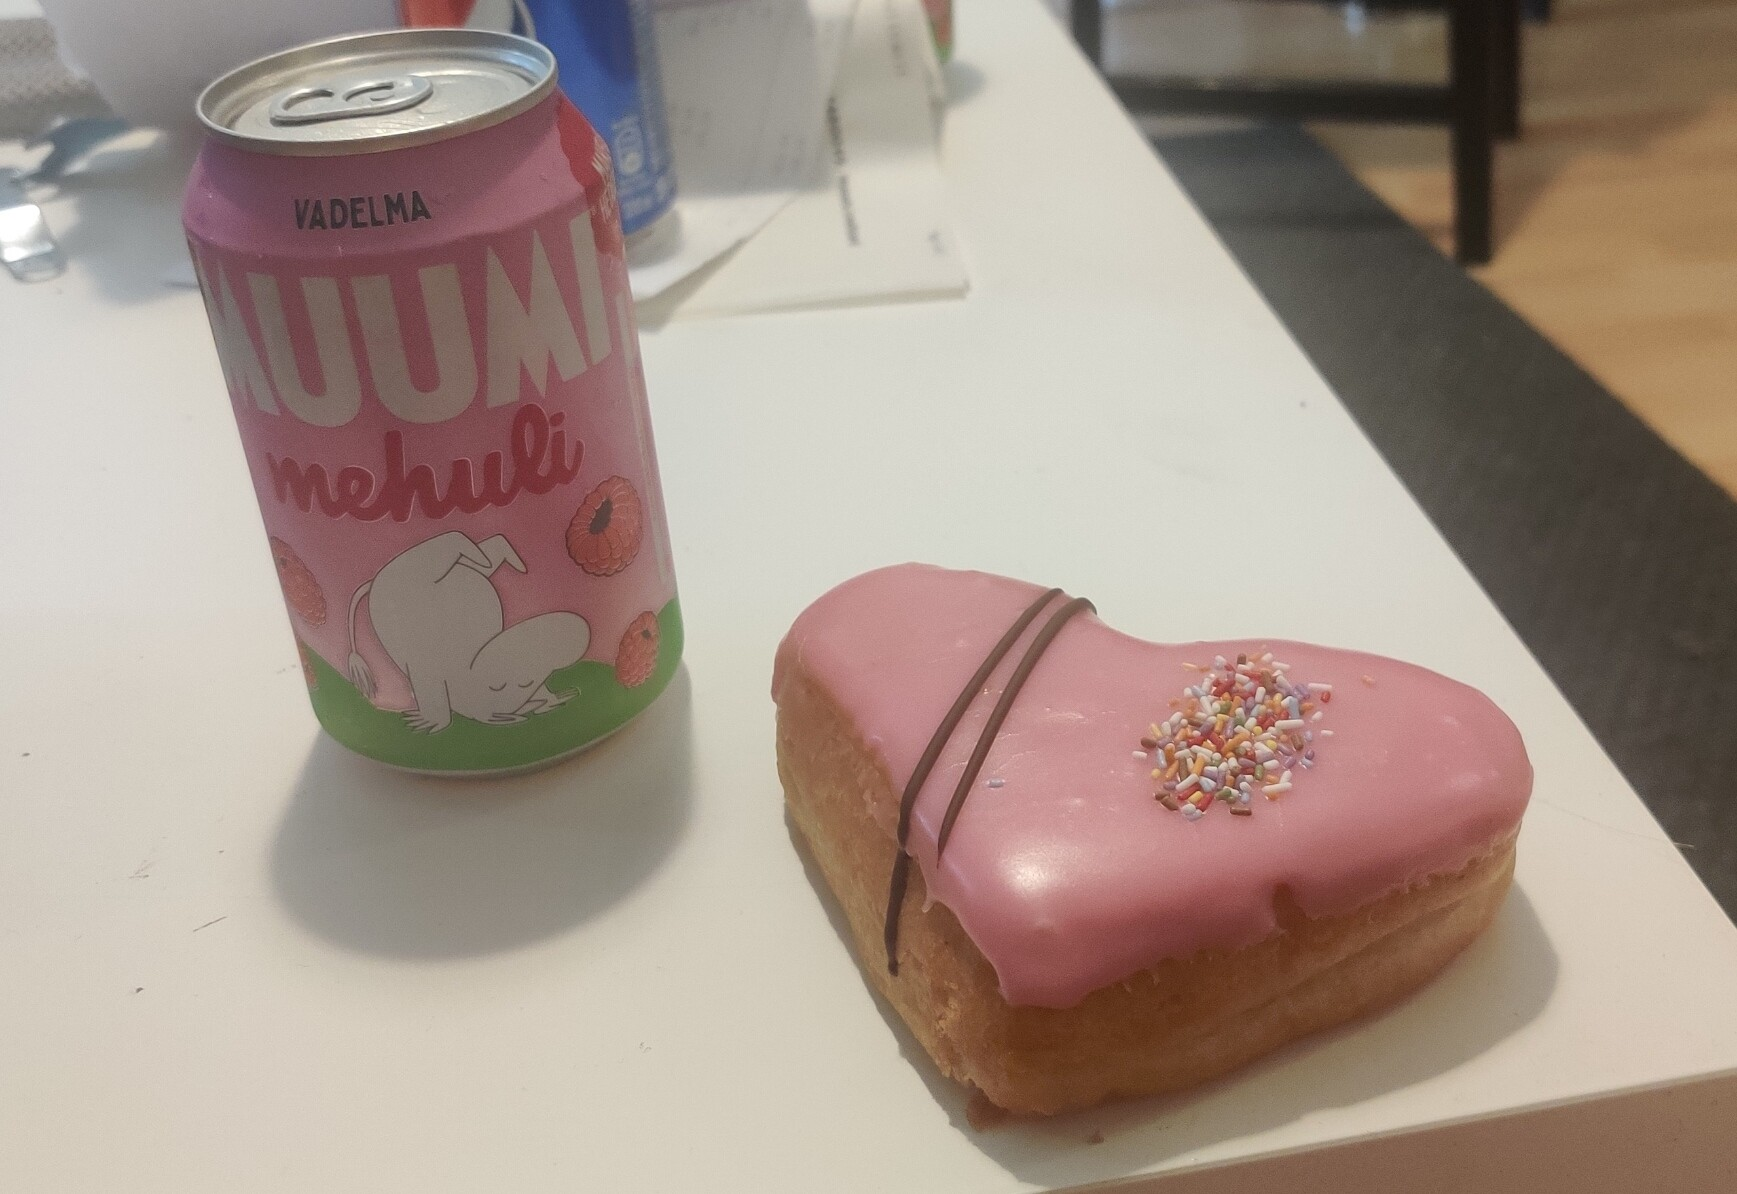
[[376, 91]]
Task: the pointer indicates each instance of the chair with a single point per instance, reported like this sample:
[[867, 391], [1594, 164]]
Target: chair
[[1480, 101]]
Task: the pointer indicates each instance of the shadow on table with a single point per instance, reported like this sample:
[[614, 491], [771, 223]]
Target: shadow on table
[[963, 80], [124, 226], [384, 862], [1500, 984]]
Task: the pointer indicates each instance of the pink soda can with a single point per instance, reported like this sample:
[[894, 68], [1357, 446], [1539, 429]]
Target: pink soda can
[[412, 260]]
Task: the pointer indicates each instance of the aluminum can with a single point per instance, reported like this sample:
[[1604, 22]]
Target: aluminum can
[[412, 259], [607, 51]]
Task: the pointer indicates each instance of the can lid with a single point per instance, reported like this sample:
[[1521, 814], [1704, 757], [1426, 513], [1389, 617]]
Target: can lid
[[376, 91]]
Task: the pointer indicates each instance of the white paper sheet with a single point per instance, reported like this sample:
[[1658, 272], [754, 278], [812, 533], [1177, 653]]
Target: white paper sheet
[[876, 227], [745, 83]]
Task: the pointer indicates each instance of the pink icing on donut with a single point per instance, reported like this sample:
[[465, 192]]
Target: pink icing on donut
[[1063, 868]]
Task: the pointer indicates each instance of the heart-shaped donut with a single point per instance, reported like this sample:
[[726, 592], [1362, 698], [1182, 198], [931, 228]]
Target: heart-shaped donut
[[1136, 865]]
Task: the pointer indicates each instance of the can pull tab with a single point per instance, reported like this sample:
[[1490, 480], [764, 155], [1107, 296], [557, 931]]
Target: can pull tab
[[367, 97]]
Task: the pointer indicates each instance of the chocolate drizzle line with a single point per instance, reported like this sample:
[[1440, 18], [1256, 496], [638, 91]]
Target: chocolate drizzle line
[[926, 764], [944, 732], [992, 727]]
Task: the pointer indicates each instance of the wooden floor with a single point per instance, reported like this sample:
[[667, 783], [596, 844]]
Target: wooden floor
[[1616, 209]]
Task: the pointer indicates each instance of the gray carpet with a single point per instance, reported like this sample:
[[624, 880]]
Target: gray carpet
[[1614, 558]]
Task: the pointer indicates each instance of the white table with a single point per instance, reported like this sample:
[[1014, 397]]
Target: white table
[[234, 958]]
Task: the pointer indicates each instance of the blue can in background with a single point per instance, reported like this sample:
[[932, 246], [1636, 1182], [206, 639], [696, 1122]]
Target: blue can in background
[[607, 54]]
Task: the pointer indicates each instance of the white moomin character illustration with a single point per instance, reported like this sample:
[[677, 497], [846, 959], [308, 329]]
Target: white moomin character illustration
[[439, 617]]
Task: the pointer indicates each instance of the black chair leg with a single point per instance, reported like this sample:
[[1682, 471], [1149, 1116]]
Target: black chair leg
[[1506, 84], [1472, 25], [1087, 19]]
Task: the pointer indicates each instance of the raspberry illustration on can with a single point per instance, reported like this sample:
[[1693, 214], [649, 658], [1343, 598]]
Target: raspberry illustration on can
[[300, 589], [603, 537], [636, 657]]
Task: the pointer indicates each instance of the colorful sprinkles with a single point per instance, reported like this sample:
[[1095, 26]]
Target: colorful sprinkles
[[1243, 728]]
